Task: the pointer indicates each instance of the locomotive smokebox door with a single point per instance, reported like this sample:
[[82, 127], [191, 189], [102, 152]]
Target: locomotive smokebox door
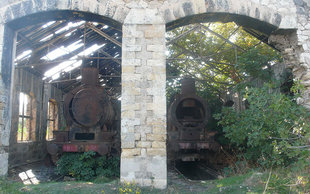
[[86, 107]]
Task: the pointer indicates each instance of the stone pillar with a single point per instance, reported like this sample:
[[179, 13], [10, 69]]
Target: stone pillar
[[6, 45], [303, 50], [143, 123]]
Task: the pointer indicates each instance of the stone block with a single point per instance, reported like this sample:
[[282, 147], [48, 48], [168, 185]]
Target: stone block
[[131, 31], [128, 113], [153, 32], [149, 113], [156, 137], [143, 175], [158, 55], [156, 121], [128, 144], [121, 13], [128, 55], [137, 136], [156, 107], [144, 55], [156, 152], [155, 62], [129, 153], [159, 129], [160, 183], [144, 144], [129, 165], [128, 41], [132, 62], [149, 99], [132, 91], [132, 48], [144, 16], [156, 48], [158, 144], [128, 69], [130, 122], [143, 129], [137, 114], [138, 70], [158, 167]]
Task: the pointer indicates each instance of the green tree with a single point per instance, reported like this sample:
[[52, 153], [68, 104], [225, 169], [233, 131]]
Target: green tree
[[218, 55], [269, 132]]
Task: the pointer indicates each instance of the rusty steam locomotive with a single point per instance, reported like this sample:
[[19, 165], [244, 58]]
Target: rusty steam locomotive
[[91, 117], [188, 115]]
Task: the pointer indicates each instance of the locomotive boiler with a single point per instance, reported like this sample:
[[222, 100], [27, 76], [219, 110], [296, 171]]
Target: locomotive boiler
[[91, 118], [188, 115]]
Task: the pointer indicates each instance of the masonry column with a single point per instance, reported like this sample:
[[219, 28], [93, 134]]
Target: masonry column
[[143, 117], [6, 49]]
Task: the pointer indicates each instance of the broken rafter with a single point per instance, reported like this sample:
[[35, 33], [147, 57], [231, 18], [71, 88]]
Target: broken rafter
[[117, 60], [68, 80], [220, 47], [28, 41], [52, 41], [191, 53], [220, 36], [59, 61], [183, 34], [94, 28]]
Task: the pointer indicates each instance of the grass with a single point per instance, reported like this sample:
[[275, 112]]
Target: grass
[[253, 182], [235, 184]]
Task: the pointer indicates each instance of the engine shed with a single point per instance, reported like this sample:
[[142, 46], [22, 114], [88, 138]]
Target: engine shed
[[43, 43]]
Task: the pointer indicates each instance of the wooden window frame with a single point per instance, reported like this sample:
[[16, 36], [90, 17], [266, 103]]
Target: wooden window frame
[[53, 103], [24, 116]]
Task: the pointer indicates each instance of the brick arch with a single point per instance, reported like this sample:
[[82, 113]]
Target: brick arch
[[249, 13], [16, 10]]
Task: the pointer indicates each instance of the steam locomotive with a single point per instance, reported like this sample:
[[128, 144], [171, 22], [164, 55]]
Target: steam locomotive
[[91, 117], [188, 115]]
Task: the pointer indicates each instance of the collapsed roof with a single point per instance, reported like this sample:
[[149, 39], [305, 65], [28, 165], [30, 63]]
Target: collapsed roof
[[54, 51]]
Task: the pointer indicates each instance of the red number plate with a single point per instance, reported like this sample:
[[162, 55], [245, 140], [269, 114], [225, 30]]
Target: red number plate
[[70, 148], [91, 147]]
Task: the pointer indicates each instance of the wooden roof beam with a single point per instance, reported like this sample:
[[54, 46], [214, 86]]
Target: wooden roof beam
[[94, 28]]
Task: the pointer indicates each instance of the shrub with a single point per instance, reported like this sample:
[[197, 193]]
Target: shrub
[[271, 131], [86, 166]]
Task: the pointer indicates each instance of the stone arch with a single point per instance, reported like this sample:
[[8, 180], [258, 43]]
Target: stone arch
[[17, 9], [270, 12]]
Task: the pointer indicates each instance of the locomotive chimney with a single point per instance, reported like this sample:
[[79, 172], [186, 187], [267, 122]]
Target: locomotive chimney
[[90, 74], [188, 86]]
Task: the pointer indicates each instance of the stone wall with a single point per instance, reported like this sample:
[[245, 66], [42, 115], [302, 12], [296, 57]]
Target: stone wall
[[295, 47], [144, 24]]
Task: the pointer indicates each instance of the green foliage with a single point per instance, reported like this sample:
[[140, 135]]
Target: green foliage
[[257, 62], [86, 166], [271, 130]]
